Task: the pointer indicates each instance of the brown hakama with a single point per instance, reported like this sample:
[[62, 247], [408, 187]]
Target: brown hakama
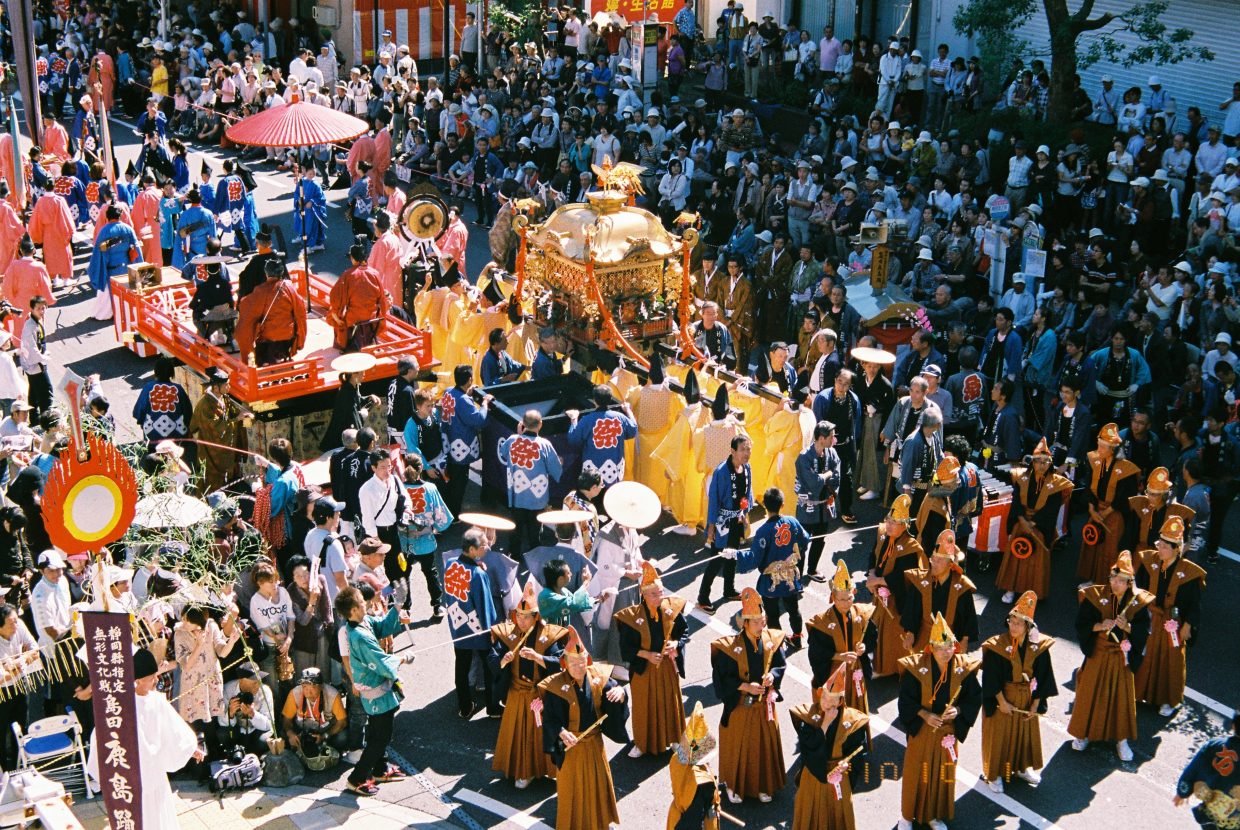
[[751, 753], [519, 747], [1106, 701], [585, 794]]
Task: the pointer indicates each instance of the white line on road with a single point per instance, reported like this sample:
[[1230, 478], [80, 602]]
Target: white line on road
[[970, 780], [517, 818]]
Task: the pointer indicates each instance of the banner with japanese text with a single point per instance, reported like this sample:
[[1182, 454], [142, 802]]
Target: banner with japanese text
[[109, 659], [633, 10]]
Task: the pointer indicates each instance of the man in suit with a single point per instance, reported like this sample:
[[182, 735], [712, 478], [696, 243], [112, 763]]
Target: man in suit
[[738, 308]]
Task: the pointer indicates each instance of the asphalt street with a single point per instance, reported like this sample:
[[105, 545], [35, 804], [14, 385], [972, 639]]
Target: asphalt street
[[1079, 790]]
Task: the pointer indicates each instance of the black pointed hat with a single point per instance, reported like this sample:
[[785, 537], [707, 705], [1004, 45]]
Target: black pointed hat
[[691, 391], [719, 408]]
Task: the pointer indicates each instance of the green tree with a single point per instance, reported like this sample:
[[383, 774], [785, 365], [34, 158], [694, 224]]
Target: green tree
[[1078, 39]]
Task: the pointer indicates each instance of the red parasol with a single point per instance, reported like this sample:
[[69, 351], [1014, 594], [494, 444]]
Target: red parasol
[[296, 125]]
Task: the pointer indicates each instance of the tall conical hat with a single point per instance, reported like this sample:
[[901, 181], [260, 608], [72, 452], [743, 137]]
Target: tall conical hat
[[1123, 565], [656, 368], [838, 681], [529, 597], [842, 579], [947, 470], [945, 545], [1159, 481], [1172, 530], [719, 407], [1041, 450], [941, 633], [751, 605], [574, 646], [692, 391], [900, 508], [1025, 607], [650, 575]]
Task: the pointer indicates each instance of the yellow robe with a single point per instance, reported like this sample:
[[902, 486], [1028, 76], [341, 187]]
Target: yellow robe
[[523, 343], [785, 434], [471, 330], [758, 411], [438, 311], [712, 444], [655, 409], [686, 487]]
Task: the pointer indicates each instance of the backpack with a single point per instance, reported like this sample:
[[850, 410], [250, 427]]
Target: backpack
[[239, 772]]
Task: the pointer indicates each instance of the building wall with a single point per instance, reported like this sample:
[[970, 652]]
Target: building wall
[[1204, 85], [418, 23]]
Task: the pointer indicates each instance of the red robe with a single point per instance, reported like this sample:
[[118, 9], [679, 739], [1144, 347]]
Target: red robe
[[357, 297], [396, 203], [454, 241], [146, 223], [107, 80], [385, 257], [11, 230], [382, 159], [51, 225], [6, 168], [362, 150], [56, 142], [25, 279]]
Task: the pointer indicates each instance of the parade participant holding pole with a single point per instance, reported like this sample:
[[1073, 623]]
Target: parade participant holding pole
[[832, 740], [747, 670], [934, 514], [653, 636], [939, 700], [775, 553], [1112, 481], [896, 552], [580, 705], [116, 246], [1037, 497], [1017, 678], [844, 635], [940, 590], [1112, 624], [524, 652], [818, 479], [1176, 583]]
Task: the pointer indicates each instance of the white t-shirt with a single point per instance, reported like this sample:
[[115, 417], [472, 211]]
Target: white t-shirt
[[331, 559], [49, 603], [22, 641], [272, 617]]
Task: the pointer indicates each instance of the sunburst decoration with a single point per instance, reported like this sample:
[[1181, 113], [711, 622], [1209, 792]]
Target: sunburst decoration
[[90, 497]]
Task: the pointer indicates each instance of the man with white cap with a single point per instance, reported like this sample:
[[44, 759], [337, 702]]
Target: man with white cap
[[1161, 104], [49, 599], [736, 136], [1021, 301], [1106, 104], [890, 71], [751, 54]]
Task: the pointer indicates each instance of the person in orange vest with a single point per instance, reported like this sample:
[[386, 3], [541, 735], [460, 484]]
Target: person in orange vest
[[358, 303], [271, 321]]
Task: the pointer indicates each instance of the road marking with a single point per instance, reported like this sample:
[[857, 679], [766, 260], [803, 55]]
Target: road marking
[[517, 818], [971, 780], [458, 812]]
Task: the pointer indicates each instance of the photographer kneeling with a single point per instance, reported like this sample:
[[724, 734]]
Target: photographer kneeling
[[248, 720], [314, 721]]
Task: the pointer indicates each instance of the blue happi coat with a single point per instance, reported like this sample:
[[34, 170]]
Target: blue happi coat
[[462, 419], [468, 604], [532, 464], [600, 436], [234, 207], [205, 221], [428, 515], [776, 552]]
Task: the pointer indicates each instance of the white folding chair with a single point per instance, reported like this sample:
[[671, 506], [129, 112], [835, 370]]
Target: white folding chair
[[53, 739]]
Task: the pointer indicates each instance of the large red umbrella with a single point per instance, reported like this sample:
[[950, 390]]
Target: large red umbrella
[[296, 125]]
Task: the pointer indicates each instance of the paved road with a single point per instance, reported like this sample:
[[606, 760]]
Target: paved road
[[1079, 790]]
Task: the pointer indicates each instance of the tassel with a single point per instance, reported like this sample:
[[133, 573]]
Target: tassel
[[949, 743], [770, 705], [835, 779], [858, 675], [536, 706]]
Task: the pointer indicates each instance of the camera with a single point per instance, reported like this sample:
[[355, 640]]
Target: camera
[[245, 698]]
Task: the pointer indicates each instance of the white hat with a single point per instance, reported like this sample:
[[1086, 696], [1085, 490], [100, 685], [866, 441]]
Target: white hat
[[731, 165], [1160, 175], [1140, 181], [924, 137], [547, 112], [51, 558], [1231, 161], [1042, 148], [626, 112], [1218, 268], [752, 167], [1223, 337], [848, 186], [1034, 209], [652, 113], [1094, 233], [816, 159], [145, 42], [1154, 81], [1018, 277], [115, 575], [454, 109], [625, 64], [524, 141], [847, 162], [893, 125], [1184, 267], [269, 85], [765, 236], [1214, 194], [1107, 79], [915, 54], [872, 176], [738, 113], [924, 254]]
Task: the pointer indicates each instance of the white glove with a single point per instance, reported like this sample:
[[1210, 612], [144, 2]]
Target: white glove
[[870, 411], [728, 553]]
